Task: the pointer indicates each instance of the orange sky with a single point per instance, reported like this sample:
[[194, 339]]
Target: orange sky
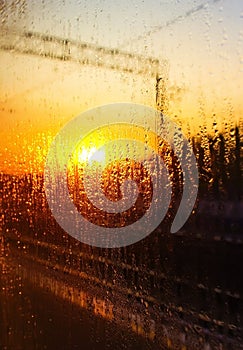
[[38, 96]]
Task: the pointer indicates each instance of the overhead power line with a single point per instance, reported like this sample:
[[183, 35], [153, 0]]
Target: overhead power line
[[168, 23], [52, 47]]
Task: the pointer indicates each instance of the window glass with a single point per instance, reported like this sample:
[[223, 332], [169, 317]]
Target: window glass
[[178, 61]]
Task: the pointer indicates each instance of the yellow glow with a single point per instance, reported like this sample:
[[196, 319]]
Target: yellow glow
[[34, 110], [89, 151]]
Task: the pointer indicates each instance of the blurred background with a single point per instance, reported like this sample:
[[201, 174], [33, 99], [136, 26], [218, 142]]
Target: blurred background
[[60, 58]]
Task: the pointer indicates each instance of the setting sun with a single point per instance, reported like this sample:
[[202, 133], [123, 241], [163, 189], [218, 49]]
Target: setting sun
[[91, 155]]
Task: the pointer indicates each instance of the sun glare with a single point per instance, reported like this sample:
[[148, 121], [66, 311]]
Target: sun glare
[[91, 155], [95, 149], [97, 156]]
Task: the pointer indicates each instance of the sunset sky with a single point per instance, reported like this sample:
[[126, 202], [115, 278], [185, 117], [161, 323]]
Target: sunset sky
[[204, 51]]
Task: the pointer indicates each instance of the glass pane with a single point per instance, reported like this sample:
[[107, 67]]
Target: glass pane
[[127, 115]]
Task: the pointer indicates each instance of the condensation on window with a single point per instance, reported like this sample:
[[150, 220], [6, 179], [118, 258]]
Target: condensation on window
[[62, 59]]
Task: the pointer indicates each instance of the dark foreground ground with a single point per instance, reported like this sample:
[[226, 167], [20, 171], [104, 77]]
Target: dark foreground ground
[[50, 304], [182, 291]]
